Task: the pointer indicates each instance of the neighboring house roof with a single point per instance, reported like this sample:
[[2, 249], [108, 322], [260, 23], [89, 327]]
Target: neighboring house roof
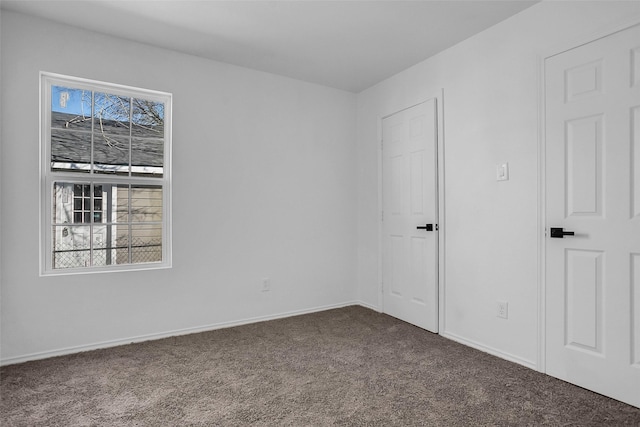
[[113, 142]]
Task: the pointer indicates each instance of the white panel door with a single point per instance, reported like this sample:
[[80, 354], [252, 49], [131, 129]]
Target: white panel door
[[409, 193], [593, 190]]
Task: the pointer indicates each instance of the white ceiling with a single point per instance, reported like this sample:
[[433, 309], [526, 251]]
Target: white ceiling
[[349, 45]]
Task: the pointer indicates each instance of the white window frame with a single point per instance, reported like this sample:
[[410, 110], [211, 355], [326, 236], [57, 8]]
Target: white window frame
[[49, 177]]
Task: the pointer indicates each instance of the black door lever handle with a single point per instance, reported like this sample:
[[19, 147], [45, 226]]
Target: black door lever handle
[[428, 227], [559, 233]]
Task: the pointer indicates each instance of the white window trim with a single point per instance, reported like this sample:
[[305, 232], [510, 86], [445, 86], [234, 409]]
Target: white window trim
[[47, 177]]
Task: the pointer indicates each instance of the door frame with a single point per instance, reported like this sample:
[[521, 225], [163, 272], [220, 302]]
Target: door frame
[[542, 143], [439, 97]]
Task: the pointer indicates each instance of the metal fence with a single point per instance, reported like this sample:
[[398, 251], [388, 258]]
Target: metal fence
[[141, 250]]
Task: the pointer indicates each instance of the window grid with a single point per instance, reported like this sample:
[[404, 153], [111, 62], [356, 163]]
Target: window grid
[[87, 203]]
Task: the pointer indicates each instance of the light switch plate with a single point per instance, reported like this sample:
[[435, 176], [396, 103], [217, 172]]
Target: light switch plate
[[502, 172]]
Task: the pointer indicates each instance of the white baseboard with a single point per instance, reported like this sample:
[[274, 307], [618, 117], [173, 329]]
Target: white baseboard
[[367, 305], [221, 325], [501, 354], [167, 334]]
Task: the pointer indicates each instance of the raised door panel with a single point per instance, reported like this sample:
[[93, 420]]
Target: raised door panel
[[583, 293], [417, 279], [395, 195], [417, 189], [397, 266], [583, 81], [584, 166], [635, 66], [635, 310], [635, 162]]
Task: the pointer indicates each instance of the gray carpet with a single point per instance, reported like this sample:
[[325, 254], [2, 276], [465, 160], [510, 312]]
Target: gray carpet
[[350, 367]]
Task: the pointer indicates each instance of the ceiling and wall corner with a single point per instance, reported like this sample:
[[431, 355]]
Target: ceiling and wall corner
[[349, 45]]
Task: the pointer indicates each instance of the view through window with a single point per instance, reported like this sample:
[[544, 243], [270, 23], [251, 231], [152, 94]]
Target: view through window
[[106, 174]]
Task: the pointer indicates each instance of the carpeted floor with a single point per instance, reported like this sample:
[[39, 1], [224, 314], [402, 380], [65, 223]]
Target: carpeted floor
[[350, 367]]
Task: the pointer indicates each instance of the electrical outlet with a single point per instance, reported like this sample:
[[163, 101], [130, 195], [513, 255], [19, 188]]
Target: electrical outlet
[[503, 309], [266, 284]]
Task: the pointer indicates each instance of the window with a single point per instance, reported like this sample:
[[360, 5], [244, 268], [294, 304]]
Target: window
[[82, 204], [105, 176]]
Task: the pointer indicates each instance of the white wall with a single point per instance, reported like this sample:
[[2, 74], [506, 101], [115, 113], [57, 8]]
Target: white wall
[[491, 93], [264, 185]]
